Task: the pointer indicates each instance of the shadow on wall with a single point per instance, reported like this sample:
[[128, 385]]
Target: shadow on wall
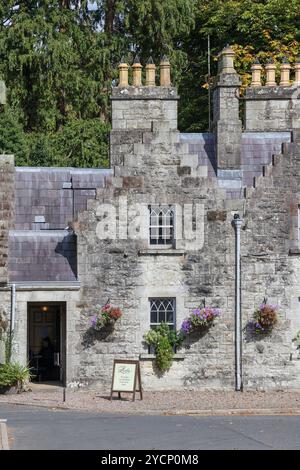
[[210, 149], [68, 249]]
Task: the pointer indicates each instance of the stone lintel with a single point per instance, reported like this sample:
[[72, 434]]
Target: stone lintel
[[152, 357], [144, 93], [161, 252], [294, 251], [272, 93]]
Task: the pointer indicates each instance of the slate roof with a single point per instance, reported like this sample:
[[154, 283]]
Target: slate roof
[[48, 198], [37, 255], [257, 150]]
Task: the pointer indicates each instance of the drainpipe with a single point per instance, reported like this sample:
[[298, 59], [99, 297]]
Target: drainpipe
[[13, 308], [237, 222]]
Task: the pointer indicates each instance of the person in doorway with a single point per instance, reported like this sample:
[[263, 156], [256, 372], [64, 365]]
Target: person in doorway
[[47, 358]]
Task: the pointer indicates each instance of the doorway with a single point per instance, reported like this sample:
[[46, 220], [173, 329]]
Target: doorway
[[47, 341]]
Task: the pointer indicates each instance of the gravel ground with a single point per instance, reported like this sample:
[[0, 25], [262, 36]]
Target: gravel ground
[[156, 402]]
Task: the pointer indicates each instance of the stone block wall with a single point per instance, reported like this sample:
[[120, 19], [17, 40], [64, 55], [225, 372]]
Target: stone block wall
[[226, 122], [271, 270], [144, 108], [153, 166], [7, 189], [272, 108]]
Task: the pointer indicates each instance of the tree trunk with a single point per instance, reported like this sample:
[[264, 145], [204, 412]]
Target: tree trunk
[[110, 15]]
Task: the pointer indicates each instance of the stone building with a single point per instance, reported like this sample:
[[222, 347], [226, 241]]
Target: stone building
[[155, 236]]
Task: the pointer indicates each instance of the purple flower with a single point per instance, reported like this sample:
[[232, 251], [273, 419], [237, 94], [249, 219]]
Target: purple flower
[[94, 320], [186, 326]]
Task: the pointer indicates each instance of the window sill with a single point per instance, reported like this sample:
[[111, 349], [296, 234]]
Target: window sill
[[162, 252], [151, 357]]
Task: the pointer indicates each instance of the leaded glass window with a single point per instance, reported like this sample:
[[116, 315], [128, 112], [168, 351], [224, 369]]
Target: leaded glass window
[[161, 225], [162, 310]]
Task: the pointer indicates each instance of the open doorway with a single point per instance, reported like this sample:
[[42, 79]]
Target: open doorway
[[47, 341]]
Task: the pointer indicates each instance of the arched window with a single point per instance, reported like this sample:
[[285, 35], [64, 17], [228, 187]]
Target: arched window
[[161, 225], [162, 310]]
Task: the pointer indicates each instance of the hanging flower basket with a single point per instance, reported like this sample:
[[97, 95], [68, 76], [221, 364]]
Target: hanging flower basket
[[107, 317], [200, 319], [265, 318]]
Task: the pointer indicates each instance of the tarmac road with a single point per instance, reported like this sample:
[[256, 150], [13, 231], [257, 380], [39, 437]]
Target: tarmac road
[[41, 429]]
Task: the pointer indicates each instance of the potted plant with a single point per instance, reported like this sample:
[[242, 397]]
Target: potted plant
[[200, 319], [3, 327], [107, 317], [164, 340], [265, 318], [14, 377], [296, 340]]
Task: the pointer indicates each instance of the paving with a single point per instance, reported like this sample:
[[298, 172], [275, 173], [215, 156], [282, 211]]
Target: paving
[[41, 429], [3, 435], [188, 402]]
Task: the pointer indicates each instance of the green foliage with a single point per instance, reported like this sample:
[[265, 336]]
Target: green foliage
[[12, 375], [297, 336], [80, 143], [255, 28], [8, 344], [12, 137], [164, 340], [59, 59], [3, 323], [164, 354]]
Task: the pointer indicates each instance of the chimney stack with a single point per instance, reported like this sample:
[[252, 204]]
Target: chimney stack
[[226, 122], [123, 73], [256, 74], [165, 72], [150, 72]]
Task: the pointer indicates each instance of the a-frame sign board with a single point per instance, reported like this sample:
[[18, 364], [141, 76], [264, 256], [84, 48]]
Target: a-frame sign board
[[126, 378]]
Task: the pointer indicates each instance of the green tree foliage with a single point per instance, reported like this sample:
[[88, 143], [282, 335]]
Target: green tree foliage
[[59, 59], [255, 28], [12, 136]]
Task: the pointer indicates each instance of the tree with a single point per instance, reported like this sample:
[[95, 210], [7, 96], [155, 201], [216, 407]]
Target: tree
[[59, 58], [255, 28], [12, 137]]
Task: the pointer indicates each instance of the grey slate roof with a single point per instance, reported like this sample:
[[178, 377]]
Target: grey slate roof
[[257, 150], [49, 198], [204, 146], [46, 200], [42, 256]]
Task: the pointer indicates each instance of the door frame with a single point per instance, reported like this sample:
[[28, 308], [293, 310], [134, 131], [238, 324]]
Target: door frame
[[63, 333]]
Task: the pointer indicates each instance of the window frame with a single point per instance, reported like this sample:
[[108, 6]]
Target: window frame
[[154, 325], [161, 226]]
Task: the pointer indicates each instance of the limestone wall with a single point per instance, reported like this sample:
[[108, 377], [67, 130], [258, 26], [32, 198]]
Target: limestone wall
[[7, 189], [272, 108], [153, 167]]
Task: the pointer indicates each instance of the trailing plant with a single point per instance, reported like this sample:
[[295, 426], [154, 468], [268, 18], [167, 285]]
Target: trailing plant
[[297, 336], [164, 340], [3, 323], [8, 345], [164, 353], [14, 375], [200, 319], [107, 316]]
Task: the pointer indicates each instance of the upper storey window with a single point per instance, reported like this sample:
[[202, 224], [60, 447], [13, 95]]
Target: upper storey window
[[161, 225]]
